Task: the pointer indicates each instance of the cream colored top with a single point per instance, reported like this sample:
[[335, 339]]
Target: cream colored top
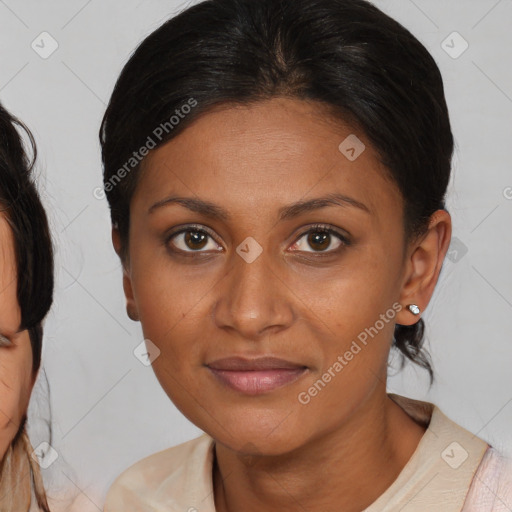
[[449, 467]]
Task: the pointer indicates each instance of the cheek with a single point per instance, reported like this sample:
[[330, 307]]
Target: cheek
[[15, 385], [172, 300], [344, 300], [173, 310], [355, 317]]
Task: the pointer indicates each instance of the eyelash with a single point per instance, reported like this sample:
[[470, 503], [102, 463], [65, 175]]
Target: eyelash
[[316, 228], [4, 341]]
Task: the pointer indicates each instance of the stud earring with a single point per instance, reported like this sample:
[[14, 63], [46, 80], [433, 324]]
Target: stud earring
[[415, 310]]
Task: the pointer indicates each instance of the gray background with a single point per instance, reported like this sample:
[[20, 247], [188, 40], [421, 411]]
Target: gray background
[[107, 409]]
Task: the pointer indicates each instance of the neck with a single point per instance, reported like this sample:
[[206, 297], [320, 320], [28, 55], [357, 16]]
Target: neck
[[346, 469]]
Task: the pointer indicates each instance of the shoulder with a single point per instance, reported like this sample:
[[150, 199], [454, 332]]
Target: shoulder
[[491, 488], [144, 486]]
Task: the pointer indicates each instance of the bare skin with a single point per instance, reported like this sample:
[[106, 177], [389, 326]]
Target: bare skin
[[198, 302], [16, 376]]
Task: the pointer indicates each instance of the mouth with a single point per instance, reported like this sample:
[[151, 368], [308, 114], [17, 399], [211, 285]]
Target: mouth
[[256, 376]]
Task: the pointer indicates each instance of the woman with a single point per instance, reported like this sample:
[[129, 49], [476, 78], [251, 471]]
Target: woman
[[276, 172], [26, 284]]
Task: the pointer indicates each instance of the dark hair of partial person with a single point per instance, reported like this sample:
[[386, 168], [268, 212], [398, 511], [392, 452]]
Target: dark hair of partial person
[[21, 205], [361, 65]]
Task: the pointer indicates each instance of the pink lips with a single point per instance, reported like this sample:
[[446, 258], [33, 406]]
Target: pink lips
[[255, 376]]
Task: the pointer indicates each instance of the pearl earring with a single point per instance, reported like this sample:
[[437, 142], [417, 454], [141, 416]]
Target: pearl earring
[[415, 310]]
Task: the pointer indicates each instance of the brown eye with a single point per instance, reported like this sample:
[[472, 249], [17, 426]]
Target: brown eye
[[192, 239], [320, 239], [195, 239]]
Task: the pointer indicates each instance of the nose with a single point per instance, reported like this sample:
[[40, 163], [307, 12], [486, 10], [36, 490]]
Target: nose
[[254, 299]]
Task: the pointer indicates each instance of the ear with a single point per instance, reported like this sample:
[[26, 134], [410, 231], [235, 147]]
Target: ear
[[423, 265], [131, 306]]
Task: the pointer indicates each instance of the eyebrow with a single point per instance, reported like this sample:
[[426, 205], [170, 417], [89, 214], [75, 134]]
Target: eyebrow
[[209, 209]]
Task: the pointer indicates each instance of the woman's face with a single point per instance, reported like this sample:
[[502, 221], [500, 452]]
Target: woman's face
[[16, 376], [248, 281]]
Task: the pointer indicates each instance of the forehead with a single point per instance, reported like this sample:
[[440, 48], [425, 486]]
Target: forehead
[[279, 150]]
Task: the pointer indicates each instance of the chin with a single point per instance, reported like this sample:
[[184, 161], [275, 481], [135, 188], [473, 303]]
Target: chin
[[257, 435]]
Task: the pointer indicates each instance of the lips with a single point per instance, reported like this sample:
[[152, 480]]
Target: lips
[[256, 376], [261, 363]]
